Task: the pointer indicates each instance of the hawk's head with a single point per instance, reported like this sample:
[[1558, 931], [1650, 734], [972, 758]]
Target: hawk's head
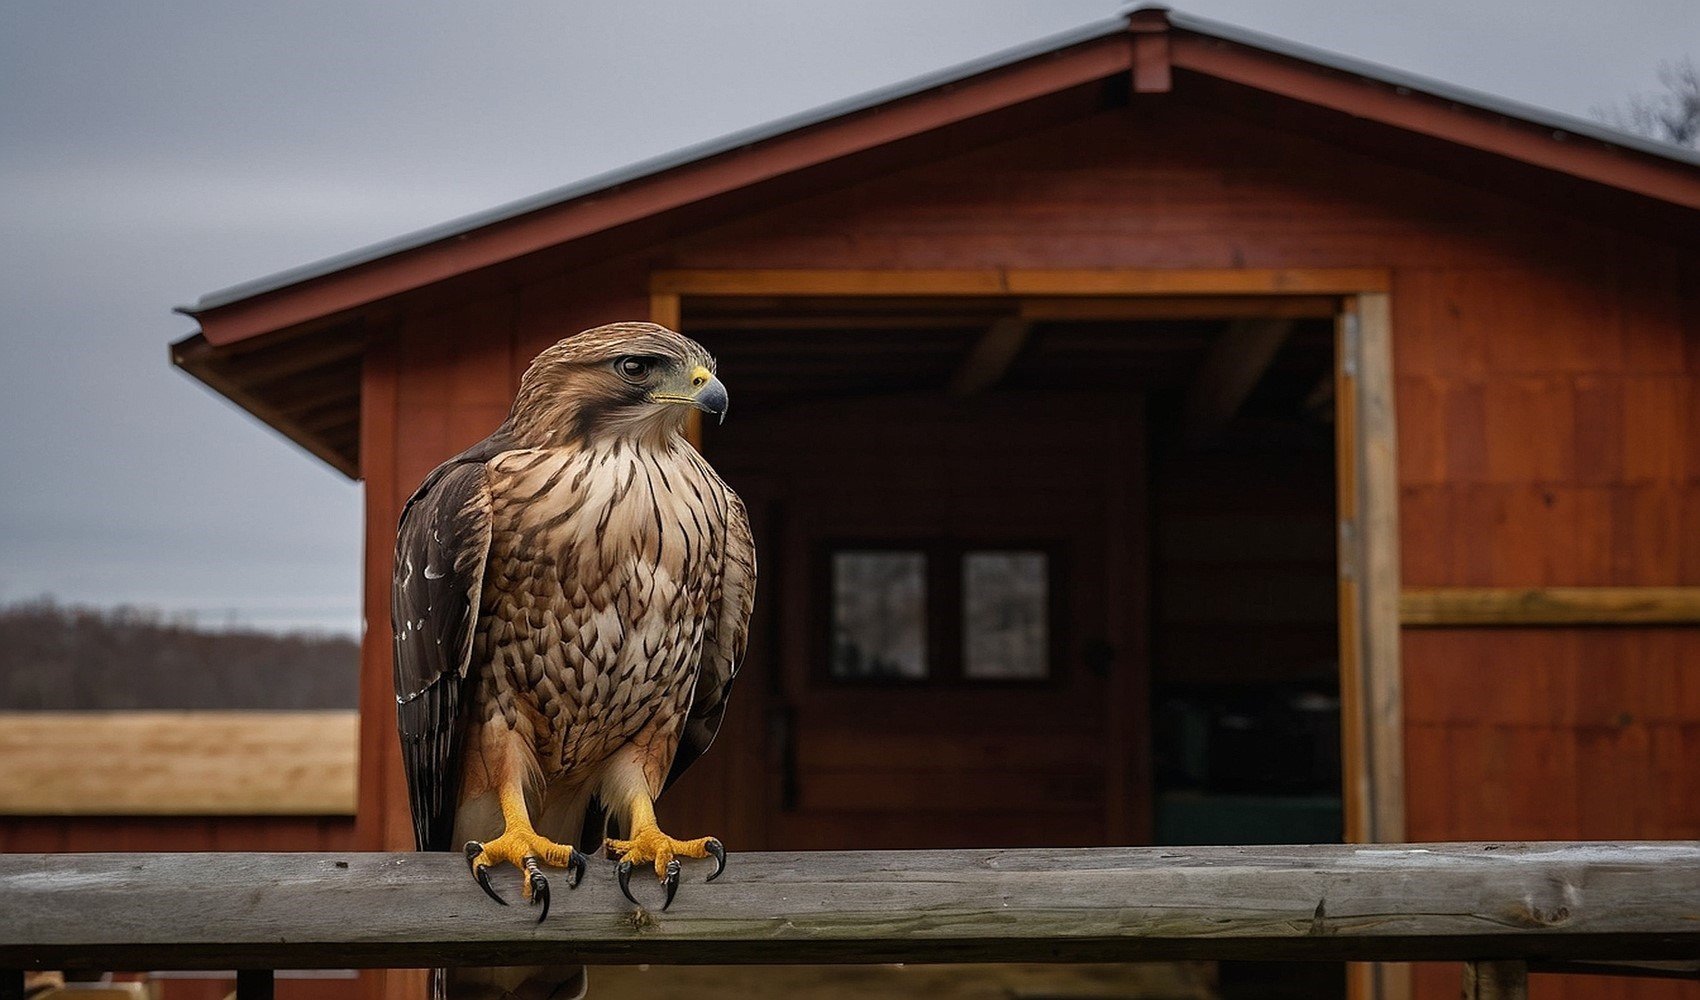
[[634, 380]]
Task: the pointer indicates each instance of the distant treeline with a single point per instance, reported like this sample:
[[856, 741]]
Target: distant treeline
[[57, 657]]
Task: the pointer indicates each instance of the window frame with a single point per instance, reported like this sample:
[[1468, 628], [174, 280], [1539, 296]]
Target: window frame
[[945, 649]]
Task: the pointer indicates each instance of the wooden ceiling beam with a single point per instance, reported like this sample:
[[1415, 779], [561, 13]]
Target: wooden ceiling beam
[[1182, 307], [193, 355], [803, 321], [989, 359], [292, 359], [1236, 363]]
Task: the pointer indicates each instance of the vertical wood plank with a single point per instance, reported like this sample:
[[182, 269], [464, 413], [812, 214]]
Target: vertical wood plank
[[1355, 779], [1378, 499], [665, 310], [1371, 709], [1496, 981], [1378, 505]]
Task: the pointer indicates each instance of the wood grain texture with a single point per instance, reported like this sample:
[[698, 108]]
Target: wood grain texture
[[1022, 281], [1434, 116], [1331, 902], [1453, 606], [1377, 465], [178, 763], [1355, 766]]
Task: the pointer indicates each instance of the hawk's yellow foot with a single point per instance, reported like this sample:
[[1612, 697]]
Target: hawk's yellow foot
[[520, 846], [648, 843]]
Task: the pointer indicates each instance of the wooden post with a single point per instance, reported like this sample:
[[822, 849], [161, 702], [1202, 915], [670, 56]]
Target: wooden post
[[1371, 701], [255, 984], [666, 310], [1496, 981]]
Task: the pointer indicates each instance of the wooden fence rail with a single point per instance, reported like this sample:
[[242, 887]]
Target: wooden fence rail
[[1530, 902]]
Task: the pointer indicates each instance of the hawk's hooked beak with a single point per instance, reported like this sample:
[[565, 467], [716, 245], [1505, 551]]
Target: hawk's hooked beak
[[702, 390]]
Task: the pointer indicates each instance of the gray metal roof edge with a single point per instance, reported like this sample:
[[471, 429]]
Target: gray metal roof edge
[[915, 85], [654, 165], [1480, 100]]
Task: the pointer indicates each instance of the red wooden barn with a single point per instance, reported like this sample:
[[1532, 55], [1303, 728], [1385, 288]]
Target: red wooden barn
[[1159, 433]]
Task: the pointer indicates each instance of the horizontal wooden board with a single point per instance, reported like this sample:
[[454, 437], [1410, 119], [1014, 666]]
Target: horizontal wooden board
[[1030, 282], [1180, 307], [1449, 606], [178, 763], [1636, 901]]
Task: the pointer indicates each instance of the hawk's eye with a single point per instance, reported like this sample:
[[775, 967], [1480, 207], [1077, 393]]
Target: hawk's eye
[[634, 369]]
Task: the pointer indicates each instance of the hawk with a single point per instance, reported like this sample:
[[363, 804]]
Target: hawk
[[571, 601]]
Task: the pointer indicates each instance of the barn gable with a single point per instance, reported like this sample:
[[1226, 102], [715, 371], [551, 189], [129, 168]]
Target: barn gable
[[287, 347]]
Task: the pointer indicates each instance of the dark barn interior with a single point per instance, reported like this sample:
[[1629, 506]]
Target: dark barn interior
[[1177, 451]]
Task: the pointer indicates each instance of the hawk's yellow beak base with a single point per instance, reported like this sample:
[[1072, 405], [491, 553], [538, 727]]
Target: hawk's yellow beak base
[[709, 394], [704, 391]]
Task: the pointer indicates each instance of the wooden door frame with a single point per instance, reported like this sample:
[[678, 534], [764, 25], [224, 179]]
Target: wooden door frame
[[1366, 464]]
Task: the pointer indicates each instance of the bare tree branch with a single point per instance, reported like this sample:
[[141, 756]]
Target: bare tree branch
[[1672, 115]]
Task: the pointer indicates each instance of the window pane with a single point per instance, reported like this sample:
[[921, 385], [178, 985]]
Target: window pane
[[1005, 611], [879, 615]]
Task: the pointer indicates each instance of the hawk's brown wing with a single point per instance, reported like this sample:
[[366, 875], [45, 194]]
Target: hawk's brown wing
[[441, 547], [723, 641]]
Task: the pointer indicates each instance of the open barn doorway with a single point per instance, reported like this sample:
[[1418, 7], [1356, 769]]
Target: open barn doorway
[[1054, 572], [1049, 572]]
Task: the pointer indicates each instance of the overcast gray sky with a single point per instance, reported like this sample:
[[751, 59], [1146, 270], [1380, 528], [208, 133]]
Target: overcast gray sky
[[151, 152]]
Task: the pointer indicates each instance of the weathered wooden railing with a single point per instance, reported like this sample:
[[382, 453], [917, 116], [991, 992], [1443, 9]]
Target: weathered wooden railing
[[1510, 905]]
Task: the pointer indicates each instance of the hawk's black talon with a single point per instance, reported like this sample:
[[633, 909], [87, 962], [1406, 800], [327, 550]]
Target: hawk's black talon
[[718, 850], [539, 887], [623, 875], [670, 882], [482, 874], [575, 869]]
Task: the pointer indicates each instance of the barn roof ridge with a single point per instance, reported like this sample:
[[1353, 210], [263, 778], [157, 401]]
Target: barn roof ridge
[[1559, 122], [1455, 93]]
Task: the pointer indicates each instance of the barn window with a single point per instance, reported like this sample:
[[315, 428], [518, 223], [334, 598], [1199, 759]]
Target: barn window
[[1005, 615], [939, 612], [879, 615]]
